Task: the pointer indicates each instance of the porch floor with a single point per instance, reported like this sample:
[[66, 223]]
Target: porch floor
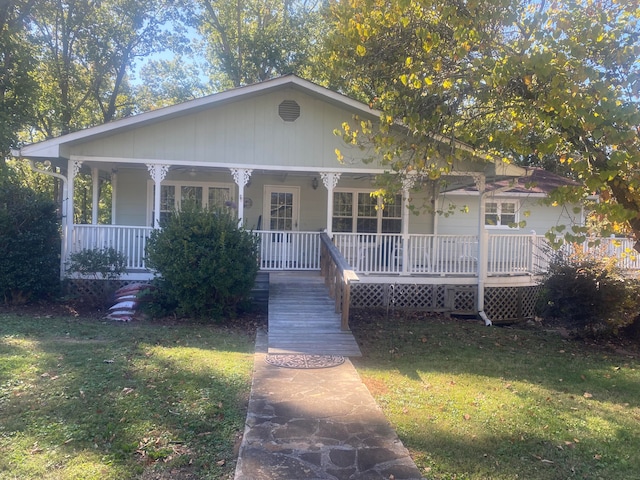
[[302, 317]]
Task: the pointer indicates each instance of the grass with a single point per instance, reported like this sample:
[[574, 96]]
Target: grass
[[84, 399], [87, 399], [472, 402]]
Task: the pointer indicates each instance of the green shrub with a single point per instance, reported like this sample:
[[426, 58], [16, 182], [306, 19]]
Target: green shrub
[[207, 265], [103, 264], [589, 292], [29, 245]]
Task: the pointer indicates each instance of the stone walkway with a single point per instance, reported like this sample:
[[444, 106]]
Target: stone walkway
[[317, 424]]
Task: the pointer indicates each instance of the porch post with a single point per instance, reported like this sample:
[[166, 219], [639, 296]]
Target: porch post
[[95, 193], [483, 246], [241, 177], [330, 181], [407, 184], [114, 184], [73, 169], [157, 172]]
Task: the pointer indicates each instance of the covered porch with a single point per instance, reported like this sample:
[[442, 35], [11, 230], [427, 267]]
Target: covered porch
[[394, 255]]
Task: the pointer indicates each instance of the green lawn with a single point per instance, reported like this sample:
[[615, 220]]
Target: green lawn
[[84, 399], [472, 402]]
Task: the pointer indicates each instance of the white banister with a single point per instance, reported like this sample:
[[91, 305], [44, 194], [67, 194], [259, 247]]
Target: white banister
[[130, 241]]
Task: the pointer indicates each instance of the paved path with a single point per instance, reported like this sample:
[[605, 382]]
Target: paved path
[[317, 424]]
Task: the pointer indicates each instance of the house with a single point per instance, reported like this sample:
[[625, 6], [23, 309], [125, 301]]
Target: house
[[270, 149]]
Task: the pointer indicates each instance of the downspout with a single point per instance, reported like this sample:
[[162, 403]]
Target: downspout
[[63, 211], [482, 250]]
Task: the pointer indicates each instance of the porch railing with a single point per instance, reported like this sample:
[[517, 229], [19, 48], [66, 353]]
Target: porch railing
[[446, 255], [620, 248], [338, 276], [443, 255], [289, 250], [130, 241]]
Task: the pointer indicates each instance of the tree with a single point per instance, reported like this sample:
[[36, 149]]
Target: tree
[[17, 87], [534, 80], [252, 40], [169, 82], [84, 53], [29, 244]]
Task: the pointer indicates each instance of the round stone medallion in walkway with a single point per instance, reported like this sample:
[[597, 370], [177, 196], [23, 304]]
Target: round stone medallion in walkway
[[304, 361]]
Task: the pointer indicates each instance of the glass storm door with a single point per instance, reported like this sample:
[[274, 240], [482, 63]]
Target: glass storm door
[[282, 216]]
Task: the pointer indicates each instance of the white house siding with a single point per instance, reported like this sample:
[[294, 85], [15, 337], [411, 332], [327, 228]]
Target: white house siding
[[247, 131], [541, 218], [131, 197]]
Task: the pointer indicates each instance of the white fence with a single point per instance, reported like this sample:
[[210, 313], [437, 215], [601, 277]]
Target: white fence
[[289, 250], [443, 255], [130, 241], [622, 249]]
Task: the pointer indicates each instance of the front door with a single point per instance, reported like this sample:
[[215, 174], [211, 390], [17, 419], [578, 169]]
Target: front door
[[282, 209]]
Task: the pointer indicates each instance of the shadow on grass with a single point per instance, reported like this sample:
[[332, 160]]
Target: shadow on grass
[[467, 347], [476, 402], [142, 396]]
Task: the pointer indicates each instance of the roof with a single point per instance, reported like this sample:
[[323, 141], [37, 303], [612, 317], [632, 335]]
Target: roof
[[55, 147], [537, 182], [51, 148]]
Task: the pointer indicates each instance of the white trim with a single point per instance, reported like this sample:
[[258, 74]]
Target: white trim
[[516, 213], [227, 166]]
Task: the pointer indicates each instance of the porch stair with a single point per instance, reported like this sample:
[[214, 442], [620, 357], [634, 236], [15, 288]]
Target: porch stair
[[302, 317]]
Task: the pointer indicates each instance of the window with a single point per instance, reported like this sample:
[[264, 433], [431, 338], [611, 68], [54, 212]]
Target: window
[[501, 214], [359, 212], [174, 194]]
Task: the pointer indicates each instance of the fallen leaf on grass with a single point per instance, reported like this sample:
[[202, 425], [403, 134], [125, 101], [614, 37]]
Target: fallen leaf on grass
[[587, 395], [220, 463], [466, 416]]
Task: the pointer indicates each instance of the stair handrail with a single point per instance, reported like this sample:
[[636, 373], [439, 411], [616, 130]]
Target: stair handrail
[[338, 276]]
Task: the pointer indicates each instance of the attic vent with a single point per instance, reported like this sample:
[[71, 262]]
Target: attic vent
[[289, 110]]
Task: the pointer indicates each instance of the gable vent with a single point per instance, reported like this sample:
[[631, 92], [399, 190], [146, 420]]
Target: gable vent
[[289, 110]]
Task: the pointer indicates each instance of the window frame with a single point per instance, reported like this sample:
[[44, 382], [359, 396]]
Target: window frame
[[380, 217], [178, 184], [499, 207]]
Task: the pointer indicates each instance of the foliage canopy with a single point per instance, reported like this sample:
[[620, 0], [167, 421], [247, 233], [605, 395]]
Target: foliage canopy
[[548, 83]]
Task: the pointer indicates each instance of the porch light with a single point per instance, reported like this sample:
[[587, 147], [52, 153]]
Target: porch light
[[314, 183]]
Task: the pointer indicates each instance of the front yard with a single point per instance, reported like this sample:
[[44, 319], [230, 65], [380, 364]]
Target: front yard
[[89, 399], [81, 398], [472, 402]]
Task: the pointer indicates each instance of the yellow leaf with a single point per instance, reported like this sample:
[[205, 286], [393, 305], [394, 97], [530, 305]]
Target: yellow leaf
[[447, 84], [361, 50]]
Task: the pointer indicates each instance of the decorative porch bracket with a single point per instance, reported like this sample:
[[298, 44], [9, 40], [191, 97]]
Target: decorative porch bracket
[[241, 177], [330, 181], [157, 172]]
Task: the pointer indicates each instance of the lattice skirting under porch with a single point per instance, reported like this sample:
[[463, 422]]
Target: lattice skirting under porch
[[93, 292], [502, 304]]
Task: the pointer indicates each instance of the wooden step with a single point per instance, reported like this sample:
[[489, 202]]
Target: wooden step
[[302, 317]]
